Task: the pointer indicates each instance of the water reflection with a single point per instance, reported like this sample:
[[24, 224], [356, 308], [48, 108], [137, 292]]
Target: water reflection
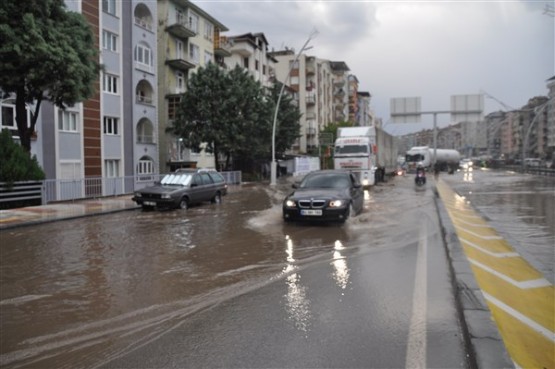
[[341, 270], [468, 175], [297, 302]]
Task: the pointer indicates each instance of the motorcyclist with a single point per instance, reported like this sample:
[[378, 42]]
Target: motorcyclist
[[420, 174]]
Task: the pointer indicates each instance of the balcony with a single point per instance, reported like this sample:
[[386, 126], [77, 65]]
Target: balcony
[[145, 23], [222, 47], [243, 49], [180, 64], [181, 29], [311, 100]]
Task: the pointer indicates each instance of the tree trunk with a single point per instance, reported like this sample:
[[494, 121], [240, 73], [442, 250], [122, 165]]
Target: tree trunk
[[21, 120]]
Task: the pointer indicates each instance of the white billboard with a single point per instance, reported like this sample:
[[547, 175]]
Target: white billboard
[[467, 108], [405, 109]]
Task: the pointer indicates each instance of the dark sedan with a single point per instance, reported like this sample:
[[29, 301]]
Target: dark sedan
[[182, 189], [324, 195]]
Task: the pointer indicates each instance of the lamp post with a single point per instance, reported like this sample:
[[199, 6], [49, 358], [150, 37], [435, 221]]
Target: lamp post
[[273, 167]]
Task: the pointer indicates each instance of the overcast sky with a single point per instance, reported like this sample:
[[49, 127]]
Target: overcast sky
[[430, 49]]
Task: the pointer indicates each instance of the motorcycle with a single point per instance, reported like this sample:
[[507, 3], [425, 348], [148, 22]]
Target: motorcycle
[[420, 178]]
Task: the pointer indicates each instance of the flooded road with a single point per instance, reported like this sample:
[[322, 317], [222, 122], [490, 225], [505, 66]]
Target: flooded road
[[521, 208], [91, 291]]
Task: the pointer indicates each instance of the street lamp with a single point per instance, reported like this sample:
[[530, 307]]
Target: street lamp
[[273, 167]]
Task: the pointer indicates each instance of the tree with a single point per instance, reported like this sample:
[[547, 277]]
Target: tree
[[46, 53], [17, 165], [232, 113]]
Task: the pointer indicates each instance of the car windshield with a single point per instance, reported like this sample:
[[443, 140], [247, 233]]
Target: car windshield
[[326, 181], [179, 179]]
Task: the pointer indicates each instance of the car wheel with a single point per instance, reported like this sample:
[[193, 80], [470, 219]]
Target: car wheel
[[184, 203], [217, 199]]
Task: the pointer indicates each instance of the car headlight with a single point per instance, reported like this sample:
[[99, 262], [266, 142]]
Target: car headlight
[[290, 203], [138, 194], [336, 203], [166, 196]]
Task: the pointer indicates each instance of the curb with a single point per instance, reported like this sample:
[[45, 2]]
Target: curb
[[60, 218], [484, 344]]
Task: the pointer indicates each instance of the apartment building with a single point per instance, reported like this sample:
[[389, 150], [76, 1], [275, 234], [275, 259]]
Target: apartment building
[[102, 145], [250, 52], [188, 38], [312, 81], [364, 115], [340, 91], [353, 98]]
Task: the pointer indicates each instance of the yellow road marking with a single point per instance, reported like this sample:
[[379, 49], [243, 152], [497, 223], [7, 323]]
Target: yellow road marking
[[521, 300]]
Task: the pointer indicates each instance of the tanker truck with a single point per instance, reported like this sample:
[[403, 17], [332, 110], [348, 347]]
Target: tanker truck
[[368, 151], [445, 158]]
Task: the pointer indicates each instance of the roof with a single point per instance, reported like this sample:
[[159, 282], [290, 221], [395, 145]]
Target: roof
[[339, 65], [188, 4], [250, 37]]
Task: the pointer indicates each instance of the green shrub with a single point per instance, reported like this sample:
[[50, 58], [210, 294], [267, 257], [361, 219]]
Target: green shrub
[[15, 163]]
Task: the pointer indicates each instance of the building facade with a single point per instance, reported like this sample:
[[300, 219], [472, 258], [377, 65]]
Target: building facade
[[188, 38]]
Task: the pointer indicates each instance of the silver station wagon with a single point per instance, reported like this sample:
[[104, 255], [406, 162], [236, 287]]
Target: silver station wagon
[[182, 189]]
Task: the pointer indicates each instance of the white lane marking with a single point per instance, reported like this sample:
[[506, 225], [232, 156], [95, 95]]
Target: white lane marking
[[22, 299], [491, 253], [416, 350], [479, 235], [521, 317], [481, 225], [525, 285]]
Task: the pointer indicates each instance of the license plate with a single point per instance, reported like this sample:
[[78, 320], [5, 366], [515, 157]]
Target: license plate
[[149, 203], [311, 212]]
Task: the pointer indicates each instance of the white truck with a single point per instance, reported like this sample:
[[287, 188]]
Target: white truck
[[445, 158], [368, 151]]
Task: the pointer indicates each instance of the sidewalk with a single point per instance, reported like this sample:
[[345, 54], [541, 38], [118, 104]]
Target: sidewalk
[[12, 218]]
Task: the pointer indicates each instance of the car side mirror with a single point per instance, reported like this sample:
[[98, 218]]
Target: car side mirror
[[295, 185], [357, 185]]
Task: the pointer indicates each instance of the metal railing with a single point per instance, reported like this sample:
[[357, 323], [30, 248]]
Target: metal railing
[[96, 187], [20, 192]]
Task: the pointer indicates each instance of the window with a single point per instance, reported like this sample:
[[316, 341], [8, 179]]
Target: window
[[145, 166], [8, 117], [256, 65], [294, 66], [112, 168], [208, 57], [246, 63], [110, 84], [109, 6], [67, 121], [194, 53], [180, 81], [111, 125], [208, 30], [143, 55], [109, 41], [193, 22], [179, 49], [173, 103], [145, 132], [264, 70]]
